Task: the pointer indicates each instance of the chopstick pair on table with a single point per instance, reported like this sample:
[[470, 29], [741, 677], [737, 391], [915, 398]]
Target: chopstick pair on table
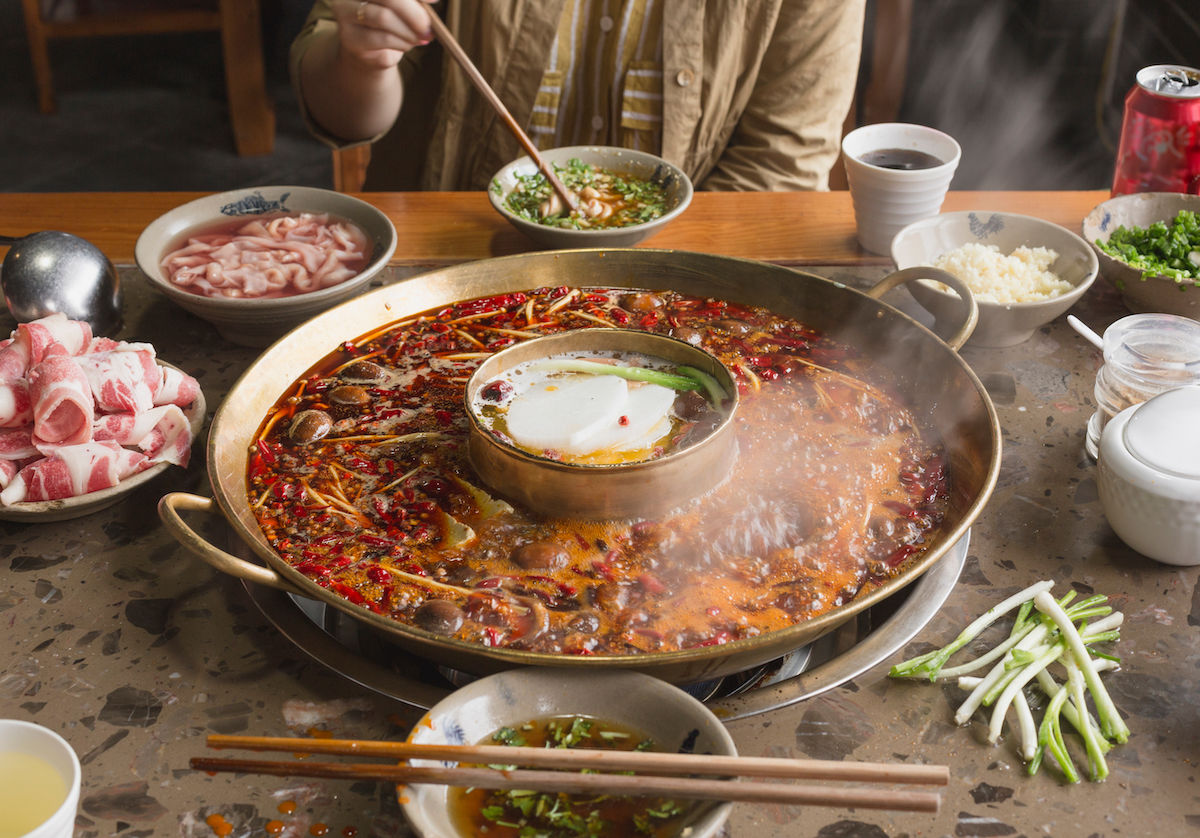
[[659, 774]]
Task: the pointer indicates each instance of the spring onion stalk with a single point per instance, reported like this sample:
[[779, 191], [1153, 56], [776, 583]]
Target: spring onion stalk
[[1095, 755], [1025, 723], [1051, 687], [996, 653], [716, 393], [1044, 658], [1111, 723], [651, 376], [1027, 726], [929, 664], [1050, 739], [996, 676]]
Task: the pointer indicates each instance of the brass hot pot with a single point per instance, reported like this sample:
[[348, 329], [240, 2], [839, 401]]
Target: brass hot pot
[[936, 383]]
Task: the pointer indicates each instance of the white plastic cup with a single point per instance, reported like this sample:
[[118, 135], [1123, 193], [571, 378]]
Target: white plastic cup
[[37, 741], [887, 200]]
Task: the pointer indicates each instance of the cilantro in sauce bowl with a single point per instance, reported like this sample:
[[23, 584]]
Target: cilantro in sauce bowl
[[606, 198], [533, 814]]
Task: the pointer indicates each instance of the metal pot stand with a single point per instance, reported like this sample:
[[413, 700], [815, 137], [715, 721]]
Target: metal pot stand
[[356, 652]]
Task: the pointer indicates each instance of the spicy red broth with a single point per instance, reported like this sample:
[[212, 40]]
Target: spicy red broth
[[359, 479]]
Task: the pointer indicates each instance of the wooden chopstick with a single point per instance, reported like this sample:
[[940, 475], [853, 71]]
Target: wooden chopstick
[[575, 783], [460, 55], [581, 758]]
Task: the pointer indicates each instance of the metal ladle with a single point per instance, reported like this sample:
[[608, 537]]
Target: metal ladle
[[48, 272]]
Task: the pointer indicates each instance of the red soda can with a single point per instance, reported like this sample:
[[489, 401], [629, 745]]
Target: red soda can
[[1160, 136]]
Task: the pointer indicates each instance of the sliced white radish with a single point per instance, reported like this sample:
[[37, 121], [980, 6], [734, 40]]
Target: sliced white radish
[[558, 414], [645, 411]]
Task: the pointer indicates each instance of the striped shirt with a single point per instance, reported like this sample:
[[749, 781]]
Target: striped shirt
[[603, 83]]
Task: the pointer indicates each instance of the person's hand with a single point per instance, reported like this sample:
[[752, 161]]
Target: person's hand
[[377, 33]]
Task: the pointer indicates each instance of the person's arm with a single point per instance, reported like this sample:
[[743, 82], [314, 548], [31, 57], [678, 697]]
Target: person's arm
[[789, 135], [346, 63]]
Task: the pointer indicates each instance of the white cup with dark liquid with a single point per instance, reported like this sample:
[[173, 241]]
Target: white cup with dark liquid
[[898, 173]]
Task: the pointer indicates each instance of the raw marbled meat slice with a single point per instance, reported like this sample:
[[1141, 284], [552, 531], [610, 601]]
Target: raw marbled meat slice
[[63, 406], [17, 444], [123, 380], [177, 388], [16, 408], [72, 470], [35, 340], [163, 433], [8, 470]]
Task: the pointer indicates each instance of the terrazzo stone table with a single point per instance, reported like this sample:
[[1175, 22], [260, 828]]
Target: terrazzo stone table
[[118, 638]]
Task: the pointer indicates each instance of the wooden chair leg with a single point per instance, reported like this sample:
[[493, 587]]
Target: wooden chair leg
[[350, 167], [39, 53], [889, 61], [250, 108]]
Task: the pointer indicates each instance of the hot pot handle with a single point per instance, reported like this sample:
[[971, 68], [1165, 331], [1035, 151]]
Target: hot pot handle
[[168, 511], [971, 308]]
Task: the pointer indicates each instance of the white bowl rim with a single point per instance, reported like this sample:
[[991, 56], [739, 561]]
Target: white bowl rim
[[148, 263], [1075, 293]]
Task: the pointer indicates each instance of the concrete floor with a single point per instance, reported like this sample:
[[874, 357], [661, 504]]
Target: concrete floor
[[1032, 89]]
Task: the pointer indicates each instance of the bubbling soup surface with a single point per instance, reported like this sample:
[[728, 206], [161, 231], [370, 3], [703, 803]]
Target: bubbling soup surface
[[359, 478]]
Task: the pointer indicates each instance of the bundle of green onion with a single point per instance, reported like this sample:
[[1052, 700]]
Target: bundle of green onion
[[1045, 631]]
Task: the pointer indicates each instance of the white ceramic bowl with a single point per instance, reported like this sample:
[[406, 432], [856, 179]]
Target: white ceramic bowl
[[259, 322], [1000, 324], [19, 739], [468, 716], [1156, 293], [1149, 476], [624, 161]]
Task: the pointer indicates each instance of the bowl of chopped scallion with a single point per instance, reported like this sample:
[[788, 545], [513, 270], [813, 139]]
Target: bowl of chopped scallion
[[1148, 244], [621, 196]]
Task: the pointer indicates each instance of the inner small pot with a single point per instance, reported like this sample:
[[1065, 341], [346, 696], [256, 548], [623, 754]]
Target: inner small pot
[[642, 488]]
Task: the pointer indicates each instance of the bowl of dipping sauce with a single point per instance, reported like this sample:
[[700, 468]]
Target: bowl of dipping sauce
[[623, 196], [39, 782], [601, 423], [1149, 476], [258, 262], [617, 709], [1023, 271]]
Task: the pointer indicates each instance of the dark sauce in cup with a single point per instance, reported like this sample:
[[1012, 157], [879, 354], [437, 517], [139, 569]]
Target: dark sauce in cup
[[900, 158]]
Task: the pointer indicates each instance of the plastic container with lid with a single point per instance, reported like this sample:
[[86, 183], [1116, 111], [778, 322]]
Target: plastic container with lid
[[1144, 355], [1149, 476]]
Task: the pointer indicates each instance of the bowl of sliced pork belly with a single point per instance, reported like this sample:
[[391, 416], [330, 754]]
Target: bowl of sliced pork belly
[[85, 419], [258, 262]]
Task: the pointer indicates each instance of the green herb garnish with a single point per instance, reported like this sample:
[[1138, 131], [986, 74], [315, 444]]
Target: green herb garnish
[[535, 814], [644, 199], [1162, 249]]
